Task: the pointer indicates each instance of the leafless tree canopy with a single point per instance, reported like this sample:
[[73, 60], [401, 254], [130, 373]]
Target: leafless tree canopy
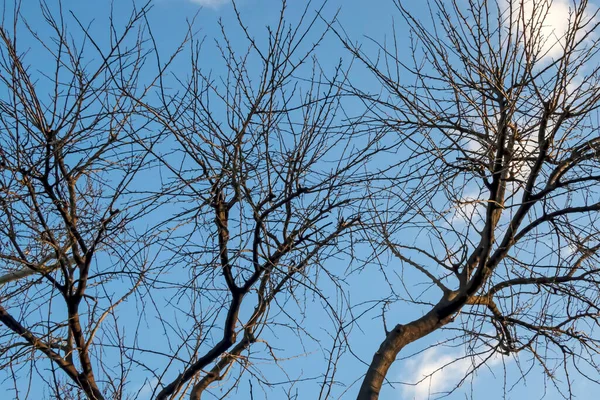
[[500, 119], [162, 227]]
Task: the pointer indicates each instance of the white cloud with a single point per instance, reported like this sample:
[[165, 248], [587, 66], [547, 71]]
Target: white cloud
[[469, 209], [436, 371], [551, 18], [210, 3]]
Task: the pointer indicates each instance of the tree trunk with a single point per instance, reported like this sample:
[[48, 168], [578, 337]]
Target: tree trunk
[[395, 341]]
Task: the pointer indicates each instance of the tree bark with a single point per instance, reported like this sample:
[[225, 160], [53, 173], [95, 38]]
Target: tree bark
[[394, 342]]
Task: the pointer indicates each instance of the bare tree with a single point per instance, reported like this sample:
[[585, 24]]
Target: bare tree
[[248, 179], [67, 161], [499, 207], [265, 173], [163, 227]]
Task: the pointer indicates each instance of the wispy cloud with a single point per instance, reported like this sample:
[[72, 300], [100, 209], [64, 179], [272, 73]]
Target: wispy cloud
[[469, 210], [210, 3], [437, 371]]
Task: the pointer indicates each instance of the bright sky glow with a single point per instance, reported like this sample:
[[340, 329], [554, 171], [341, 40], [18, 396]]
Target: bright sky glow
[[555, 16]]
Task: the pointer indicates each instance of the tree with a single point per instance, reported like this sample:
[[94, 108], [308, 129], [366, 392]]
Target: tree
[[207, 202], [498, 113], [161, 225], [67, 161], [266, 178]]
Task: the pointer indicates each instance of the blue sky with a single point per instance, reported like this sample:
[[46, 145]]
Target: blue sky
[[362, 20]]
